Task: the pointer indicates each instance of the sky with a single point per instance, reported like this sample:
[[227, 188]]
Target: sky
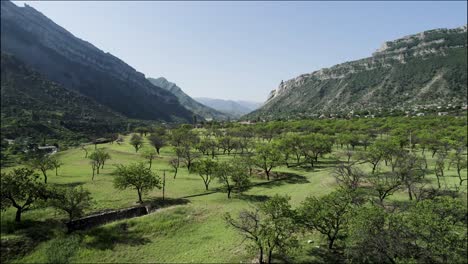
[[243, 50]]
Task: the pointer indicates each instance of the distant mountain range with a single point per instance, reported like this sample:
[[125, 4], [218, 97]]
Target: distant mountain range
[[415, 73], [234, 108], [79, 66], [199, 109]]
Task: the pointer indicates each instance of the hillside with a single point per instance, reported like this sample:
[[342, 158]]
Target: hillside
[[78, 65], [416, 73], [187, 101], [231, 107], [32, 106]]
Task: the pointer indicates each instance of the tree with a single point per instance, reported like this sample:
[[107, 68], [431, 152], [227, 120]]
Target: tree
[[233, 176], [270, 228], [98, 158], [384, 184], [439, 167], [42, 163], [156, 141], [267, 156], [21, 188], [206, 168], [73, 201], [175, 163], [136, 176], [120, 139], [459, 161], [348, 176], [150, 155], [83, 147], [56, 163], [188, 156], [136, 141], [409, 169], [327, 215], [315, 145]]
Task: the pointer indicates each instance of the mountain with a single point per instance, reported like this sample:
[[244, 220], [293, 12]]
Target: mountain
[[187, 101], [414, 73], [231, 107], [78, 65], [32, 106]]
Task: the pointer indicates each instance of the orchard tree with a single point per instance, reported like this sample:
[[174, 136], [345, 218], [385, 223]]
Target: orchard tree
[[136, 141], [21, 188], [206, 168], [136, 176], [267, 156], [270, 228], [409, 169], [73, 201], [175, 163], [232, 176], [43, 163], [328, 215], [157, 141], [315, 145], [150, 155], [439, 167], [56, 163], [384, 184], [348, 176], [458, 160], [188, 156]]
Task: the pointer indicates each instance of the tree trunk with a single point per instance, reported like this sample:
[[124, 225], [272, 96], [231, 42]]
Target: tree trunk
[[269, 255], [98, 169], [56, 172], [331, 241], [18, 215], [157, 150], [267, 174], [45, 176], [410, 194], [150, 161], [93, 174], [139, 196], [260, 257]]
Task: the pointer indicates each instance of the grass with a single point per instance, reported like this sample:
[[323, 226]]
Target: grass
[[192, 232]]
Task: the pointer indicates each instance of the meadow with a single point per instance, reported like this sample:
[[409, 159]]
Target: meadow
[[191, 232]]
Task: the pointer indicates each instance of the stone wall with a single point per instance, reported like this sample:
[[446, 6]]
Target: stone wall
[[106, 217]]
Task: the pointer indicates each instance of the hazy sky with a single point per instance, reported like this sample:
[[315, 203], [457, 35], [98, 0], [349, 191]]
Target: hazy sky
[[242, 50]]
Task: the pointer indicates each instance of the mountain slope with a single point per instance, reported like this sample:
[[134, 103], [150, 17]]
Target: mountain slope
[[421, 71], [78, 65], [33, 106], [231, 107], [187, 101]]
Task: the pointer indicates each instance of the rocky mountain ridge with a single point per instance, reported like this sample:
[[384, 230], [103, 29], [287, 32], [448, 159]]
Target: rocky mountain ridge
[[78, 65], [437, 59]]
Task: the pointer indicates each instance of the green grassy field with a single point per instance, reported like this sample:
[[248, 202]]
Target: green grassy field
[[191, 232]]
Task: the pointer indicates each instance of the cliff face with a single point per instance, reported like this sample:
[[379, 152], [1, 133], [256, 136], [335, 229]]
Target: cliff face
[[422, 69], [188, 102], [78, 65]]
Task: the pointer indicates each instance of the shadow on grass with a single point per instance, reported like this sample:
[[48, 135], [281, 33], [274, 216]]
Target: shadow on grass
[[69, 185], [281, 178], [104, 238], [199, 194], [27, 235], [253, 198]]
